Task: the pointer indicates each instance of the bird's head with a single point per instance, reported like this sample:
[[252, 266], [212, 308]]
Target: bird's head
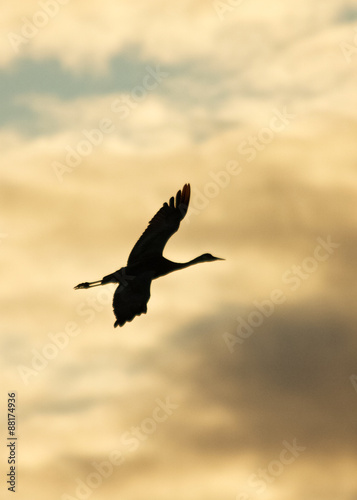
[[207, 257]]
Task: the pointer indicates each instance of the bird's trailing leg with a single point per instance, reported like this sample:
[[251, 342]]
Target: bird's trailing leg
[[119, 276], [88, 285]]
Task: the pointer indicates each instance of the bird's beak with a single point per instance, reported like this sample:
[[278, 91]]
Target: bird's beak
[[219, 258]]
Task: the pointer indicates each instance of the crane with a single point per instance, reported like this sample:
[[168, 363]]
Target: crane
[[146, 262]]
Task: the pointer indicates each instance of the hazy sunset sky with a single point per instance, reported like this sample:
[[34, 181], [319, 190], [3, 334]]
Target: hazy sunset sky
[[240, 383]]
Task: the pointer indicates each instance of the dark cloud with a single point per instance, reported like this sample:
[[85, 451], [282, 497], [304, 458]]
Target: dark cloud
[[289, 379]]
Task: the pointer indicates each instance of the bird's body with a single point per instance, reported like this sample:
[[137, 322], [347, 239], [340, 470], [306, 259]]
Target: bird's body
[[146, 262]]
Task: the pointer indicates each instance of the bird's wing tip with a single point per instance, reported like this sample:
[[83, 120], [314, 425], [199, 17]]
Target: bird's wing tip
[[186, 190]]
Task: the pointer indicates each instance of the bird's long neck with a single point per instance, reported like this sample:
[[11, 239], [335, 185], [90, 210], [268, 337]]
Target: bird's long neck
[[167, 266]]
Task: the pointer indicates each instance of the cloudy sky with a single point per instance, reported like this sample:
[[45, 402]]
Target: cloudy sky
[[241, 381]]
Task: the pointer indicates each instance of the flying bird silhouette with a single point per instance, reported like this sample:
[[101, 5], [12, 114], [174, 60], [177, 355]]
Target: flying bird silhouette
[[146, 262]]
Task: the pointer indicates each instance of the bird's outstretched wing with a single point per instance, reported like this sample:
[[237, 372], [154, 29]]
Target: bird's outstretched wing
[[131, 300], [161, 227]]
